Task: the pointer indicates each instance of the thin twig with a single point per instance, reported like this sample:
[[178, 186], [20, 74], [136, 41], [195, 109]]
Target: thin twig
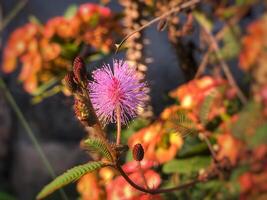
[[207, 141], [224, 66], [30, 133], [155, 191], [166, 14], [18, 7], [203, 64]]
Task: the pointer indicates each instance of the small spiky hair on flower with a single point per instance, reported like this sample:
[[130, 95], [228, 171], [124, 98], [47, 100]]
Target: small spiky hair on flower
[[117, 91]]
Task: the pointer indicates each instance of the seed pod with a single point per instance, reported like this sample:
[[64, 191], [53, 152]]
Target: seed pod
[[69, 82], [79, 70], [138, 152]]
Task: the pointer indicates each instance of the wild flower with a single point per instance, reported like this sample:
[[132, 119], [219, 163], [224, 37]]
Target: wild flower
[[117, 93]]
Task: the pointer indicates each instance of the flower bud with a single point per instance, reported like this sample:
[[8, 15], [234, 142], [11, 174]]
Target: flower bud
[[138, 152], [70, 83], [79, 70]]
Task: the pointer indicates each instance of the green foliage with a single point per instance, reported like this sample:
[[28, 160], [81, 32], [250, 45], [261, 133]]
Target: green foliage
[[248, 121], [187, 165], [194, 150], [203, 20], [69, 50], [70, 176], [99, 146], [260, 137], [6, 196], [71, 11], [232, 45], [216, 189]]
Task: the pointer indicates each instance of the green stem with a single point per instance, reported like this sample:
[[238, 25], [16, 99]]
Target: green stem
[[30, 133]]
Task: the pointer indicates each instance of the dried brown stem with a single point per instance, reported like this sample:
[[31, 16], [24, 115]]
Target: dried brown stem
[[207, 141], [166, 14], [203, 64], [224, 66]]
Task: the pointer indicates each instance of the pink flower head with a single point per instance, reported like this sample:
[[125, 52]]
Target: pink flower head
[[116, 90]]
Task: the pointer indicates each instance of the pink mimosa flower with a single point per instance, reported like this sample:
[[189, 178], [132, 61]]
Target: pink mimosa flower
[[118, 90]]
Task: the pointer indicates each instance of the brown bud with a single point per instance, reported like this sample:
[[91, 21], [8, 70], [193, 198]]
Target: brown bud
[[138, 152], [84, 113], [79, 70], [69, 82]]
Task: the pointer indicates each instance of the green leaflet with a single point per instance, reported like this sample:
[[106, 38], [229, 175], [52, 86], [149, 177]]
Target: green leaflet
[[99, 146], [71, 11], [6, 196], [249, 120], [187, 165], [206, 106], [183, 125], [70, 176], [260, 137]]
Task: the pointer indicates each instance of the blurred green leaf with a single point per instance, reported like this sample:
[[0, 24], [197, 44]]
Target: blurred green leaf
[[6, 196], [231, 43], [71, 11], [33, 19], [237, 172], [203, 20], [260, 137], [45, 86], [193, 150], [248, 121], [94, 20], [193, 146], [187, 166], [48, 93], [70, 50]]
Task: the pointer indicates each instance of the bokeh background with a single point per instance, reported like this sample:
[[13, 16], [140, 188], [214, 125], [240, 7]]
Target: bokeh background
[[22, 172], [52, 120]]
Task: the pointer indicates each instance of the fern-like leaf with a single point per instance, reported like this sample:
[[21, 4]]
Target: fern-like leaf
[[99, 146], [206, 107], [183, 125], [70, 176]]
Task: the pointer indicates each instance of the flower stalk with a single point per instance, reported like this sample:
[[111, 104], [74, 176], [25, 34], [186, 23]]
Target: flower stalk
[[118, 113]]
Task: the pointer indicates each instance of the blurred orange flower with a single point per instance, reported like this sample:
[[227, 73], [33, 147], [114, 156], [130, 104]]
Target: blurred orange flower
[[229, 147], [159, 140], [253, 185], [89, 188], [191, 94], [41, 48], [254, 43], [92, 185]]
